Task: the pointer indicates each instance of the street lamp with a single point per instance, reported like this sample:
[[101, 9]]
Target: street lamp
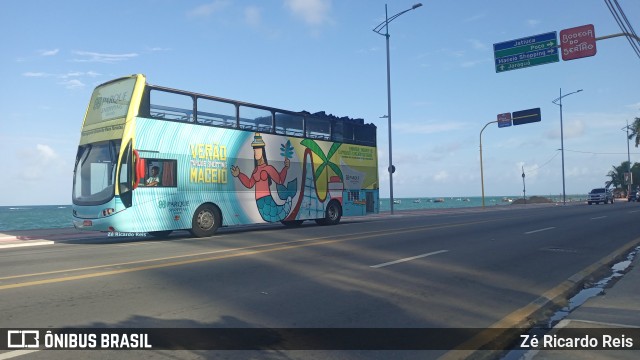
[[564, 196], [378, 29]]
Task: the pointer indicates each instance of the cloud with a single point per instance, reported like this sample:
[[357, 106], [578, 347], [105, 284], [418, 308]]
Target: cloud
[[157, 48], [88, 56], [42, 162], [473, 63], [313, 12], [46, 153], [253, 16], [571, 129], [441, 176], [428, 128], [73, 84], [475, 17], [70, 80], [79, 74], [207, 10], [532, 22], [49, 52], [634, 106], [36, 74], [477, 44]]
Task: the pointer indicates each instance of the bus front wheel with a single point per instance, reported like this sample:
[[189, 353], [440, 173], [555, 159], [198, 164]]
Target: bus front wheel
[[206, 220]]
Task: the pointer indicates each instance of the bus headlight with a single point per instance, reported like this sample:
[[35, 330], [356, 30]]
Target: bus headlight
[[107, 212]]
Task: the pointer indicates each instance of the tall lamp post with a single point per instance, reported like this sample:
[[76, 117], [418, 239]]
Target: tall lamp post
[[630, 182], [378, 30], [564, 195]]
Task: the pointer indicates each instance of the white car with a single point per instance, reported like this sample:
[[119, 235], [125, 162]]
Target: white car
[[600, 195]]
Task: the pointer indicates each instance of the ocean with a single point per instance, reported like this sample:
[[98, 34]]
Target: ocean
[[35, 217], [59, 216]]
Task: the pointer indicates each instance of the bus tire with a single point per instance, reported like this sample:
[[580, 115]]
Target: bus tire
[[332, 214], [160, 234], [206, 220], [292, 223]]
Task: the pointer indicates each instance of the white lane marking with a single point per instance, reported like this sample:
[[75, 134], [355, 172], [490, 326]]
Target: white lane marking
[[408, 259], [599, 217], [16, 353], [539, 230], [634, 211]]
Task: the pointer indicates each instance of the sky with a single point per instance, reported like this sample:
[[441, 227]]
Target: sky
[[322, 55]]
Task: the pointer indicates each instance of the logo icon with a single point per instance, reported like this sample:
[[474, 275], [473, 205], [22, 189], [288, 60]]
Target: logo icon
[[162, 204], [21, 339]]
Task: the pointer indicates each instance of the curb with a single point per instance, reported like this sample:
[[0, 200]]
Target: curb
[[524, 318], [21, 243]]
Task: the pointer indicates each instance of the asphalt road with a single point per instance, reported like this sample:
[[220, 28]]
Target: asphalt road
[[472, 269]]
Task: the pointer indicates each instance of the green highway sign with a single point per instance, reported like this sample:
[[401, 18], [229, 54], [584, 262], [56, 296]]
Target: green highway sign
[[525, 52]]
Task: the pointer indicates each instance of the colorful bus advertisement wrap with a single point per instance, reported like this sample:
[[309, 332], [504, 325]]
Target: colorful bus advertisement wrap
[[252, 177]]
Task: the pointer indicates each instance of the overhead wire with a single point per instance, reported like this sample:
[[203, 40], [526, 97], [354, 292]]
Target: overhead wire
[[599, 153], [624, 24]]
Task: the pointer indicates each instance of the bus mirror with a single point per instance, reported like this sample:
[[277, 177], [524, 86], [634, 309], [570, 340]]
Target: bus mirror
[[139, 166]]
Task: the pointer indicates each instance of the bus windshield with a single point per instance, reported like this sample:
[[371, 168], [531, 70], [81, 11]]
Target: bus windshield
[[94, 173]]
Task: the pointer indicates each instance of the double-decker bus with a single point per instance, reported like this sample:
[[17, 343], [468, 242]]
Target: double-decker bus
[[153, 159]]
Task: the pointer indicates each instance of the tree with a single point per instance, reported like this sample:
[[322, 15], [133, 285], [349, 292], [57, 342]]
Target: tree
[[635, 131], [617, 175]]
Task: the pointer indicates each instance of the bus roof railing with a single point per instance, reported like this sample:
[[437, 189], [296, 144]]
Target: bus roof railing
[[343, 129]]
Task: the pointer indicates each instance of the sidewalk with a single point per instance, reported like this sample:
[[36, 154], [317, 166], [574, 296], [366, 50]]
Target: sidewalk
[[20, 238], [618, 308]]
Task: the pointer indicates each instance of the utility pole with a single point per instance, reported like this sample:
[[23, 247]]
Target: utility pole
[[524, 187]]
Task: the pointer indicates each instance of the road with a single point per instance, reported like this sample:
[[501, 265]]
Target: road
[[468, 269]]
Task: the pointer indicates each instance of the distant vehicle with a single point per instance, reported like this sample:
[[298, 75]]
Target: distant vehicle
[[600, 195], [633, 196]]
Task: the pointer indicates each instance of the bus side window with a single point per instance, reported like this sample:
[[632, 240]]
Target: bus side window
[[170, 106], [160, 173], [287, 124], [255, 119], [318, 128], [364, 135], [216, 113]]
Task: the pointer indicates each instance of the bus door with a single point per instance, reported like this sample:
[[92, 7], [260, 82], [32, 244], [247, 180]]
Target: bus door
[[370, 202]]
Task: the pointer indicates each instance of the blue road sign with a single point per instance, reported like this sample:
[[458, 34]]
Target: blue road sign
[[504, 120]]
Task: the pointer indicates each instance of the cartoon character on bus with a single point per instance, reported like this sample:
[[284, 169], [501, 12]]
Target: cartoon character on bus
[[262, 177]]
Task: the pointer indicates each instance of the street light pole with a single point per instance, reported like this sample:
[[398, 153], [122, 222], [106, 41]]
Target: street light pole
[[378, 30], [524, 187], [564, 195], [481, 169], [630, 182]]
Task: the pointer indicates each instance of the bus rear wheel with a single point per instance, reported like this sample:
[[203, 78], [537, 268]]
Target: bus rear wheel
[[206, 220], [332, 214]]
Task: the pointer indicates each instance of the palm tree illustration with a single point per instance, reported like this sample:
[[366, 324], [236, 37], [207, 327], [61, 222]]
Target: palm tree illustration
[[326, 159]]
